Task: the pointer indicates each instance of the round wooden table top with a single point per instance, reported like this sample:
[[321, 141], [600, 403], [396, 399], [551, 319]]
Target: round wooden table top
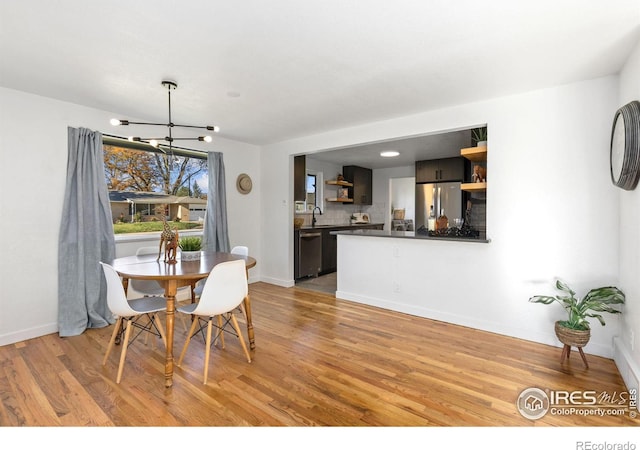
[[146, 267]]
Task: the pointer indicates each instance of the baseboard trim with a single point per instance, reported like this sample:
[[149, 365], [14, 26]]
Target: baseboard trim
[[626, 365], [278, 282], [548, 338], [31, 333]]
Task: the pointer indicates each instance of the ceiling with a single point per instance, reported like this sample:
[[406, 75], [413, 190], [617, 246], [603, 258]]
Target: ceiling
[[410, 149], [268, 71]]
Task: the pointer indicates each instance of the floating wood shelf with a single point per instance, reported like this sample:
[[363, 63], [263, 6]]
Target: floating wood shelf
[[474, 187], [339, 183], [477, 154], [342, 200]]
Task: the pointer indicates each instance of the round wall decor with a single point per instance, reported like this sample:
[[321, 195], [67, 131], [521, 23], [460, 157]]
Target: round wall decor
[[243, 183], [625, 146]]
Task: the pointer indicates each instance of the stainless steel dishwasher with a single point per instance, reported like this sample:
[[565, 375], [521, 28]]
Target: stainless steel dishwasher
[[309, 253]]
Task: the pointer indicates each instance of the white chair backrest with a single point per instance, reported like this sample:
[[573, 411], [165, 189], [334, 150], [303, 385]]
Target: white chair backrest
[[146, 251], [116, 297], [225, 288], [240, 250], [142, 251], [147, 287]]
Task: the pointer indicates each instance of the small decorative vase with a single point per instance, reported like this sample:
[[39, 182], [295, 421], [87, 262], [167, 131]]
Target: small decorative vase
[[569, 336], [481, 144], [190, 256]]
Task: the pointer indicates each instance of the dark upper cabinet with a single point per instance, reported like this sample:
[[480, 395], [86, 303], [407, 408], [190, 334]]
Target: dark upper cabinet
[[362, 178], [440, 170], [299, 178], [427, 171]]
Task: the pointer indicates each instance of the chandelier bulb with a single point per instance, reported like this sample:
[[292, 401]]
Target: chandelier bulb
[[205, 138]]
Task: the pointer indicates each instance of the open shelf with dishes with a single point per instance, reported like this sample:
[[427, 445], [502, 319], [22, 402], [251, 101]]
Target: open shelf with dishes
[[339, 183], [341, 200], [476, 155], [474, 187], [342, 191]]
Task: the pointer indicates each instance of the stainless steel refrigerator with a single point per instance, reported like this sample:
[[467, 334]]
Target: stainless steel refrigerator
[[442, 196]]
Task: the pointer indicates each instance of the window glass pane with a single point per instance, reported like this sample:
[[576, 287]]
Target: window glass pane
[[311, 191], [146, 187]]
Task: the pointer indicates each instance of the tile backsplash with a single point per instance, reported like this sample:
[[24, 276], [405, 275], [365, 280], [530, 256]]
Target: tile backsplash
[[335, 213], [340, 214]]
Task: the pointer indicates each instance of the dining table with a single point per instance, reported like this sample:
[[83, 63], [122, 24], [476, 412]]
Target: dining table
[[173, 276]]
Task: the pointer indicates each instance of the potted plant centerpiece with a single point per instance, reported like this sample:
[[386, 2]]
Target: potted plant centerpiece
[[190, 247], [575, 331]]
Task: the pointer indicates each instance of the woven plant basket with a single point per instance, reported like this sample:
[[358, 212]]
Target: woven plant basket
[[574, 338]]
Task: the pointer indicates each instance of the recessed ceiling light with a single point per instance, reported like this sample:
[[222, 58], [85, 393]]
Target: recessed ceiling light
[[389, 154]]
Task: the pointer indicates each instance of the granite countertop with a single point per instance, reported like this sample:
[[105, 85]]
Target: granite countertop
[[340, 225], [406, 234]]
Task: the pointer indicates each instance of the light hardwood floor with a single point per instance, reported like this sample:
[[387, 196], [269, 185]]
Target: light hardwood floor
[[324, 283], [318, 361]]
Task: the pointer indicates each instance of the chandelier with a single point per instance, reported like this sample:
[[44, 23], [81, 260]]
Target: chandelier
[[155, 141]]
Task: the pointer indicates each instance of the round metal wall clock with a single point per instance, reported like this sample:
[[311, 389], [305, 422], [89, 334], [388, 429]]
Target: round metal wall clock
[[625, 146]]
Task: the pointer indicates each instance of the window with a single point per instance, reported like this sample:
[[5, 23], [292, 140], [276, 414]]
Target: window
[[314, 190], [311, 191], [147, 185]]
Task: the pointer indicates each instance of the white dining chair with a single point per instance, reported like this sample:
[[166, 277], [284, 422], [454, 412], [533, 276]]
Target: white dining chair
[[224, 290], [130, 313], [148, 288], [240, 250]]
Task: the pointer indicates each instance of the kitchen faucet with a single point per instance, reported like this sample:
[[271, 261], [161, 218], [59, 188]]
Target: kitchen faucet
[[313, 216]]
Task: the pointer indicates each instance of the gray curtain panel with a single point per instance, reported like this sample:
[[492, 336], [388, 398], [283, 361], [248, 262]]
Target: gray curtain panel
[[215, 237], [86, 237]]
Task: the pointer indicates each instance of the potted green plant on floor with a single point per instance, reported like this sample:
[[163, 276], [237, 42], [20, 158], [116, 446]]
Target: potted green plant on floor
[[190, 247], [576, 331]]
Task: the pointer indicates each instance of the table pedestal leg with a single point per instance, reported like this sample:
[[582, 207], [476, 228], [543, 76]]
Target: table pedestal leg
[[170, 294], [247, 310]]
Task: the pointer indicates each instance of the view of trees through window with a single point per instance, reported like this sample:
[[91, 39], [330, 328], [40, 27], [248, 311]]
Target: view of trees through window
[[145, 187]]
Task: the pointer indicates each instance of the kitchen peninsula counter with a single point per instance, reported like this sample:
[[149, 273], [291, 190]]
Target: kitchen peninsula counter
[[414, 274], [344, 226], [405, 235], [323, 234]]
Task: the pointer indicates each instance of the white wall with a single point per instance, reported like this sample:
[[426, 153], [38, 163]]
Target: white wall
[[33, 146], [551, 211], [628, 346], [402, 192], [404, 176]]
